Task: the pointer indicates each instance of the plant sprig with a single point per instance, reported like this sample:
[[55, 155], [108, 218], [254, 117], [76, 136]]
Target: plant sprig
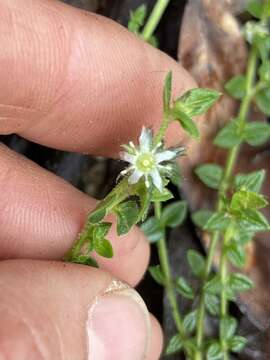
[[236, 216]]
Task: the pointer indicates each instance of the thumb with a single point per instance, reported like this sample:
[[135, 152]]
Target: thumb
[[58, 311]]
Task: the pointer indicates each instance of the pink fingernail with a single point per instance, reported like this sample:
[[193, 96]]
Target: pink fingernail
[[118, 326]]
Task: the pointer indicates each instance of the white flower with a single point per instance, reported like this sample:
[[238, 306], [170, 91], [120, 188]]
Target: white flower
[[146, 160]]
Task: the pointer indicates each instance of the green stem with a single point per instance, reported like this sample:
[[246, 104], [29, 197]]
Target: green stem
[[154, 19], [165, 267], [163, 127], [228, 171], [76, 248], [223, 279]]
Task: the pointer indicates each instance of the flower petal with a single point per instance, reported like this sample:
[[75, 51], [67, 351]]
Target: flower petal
[[157, 180], [135, 177], [145, 140], [127, 157], [165, 155]]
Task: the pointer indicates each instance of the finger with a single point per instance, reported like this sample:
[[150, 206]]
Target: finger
[[60, 311], [156, 342], [78, 81], [41, 215]]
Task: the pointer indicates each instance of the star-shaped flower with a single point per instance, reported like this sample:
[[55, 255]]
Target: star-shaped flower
[[146, 160]]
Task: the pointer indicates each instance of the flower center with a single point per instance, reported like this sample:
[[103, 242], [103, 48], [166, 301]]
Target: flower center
[[145, 162]]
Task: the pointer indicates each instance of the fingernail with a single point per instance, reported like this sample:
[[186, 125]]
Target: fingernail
[[118, 326]]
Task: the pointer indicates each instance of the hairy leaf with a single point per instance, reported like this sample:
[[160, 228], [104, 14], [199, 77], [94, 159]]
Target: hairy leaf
[[240, 282], [127, 215], [174, 345], [167, 93], [184, 288], [227, 327], [236, 87], [152, 229], [201, 217], [257, 133], [197, 101], [174, 214], [210, 174], [157, 274], [103, 247], [196, 262], [252, 182], [189, 321], [229, 136]]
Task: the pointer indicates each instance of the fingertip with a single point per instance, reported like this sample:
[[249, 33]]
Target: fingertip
[[131, 256], [156, 343]]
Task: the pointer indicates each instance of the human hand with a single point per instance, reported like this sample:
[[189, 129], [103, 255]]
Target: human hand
[[79, 82]]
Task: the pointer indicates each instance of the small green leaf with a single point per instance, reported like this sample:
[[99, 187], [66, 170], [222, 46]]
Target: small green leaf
[[165, 195], [190, 321], [236, 255], [242, 200], [255, 8], [201, 217], [210, 174], [197, 101], [214, 352], [127, 215], [152, 229], [182, 286], [264, 71], [263, 101], [256, 133], [85, 260], [218, 221], [157, 274], [137, 19], [103, 247], [229, 136], [227, 327], [213, 286], [174, 214], [237, 343], [174, 345], [236, 87], [167, 93], [243, 237], [252, 181], [196, 262], [262, 42], [212, 304], [252, 221], [101, 230], [240, 282], [186, 122]]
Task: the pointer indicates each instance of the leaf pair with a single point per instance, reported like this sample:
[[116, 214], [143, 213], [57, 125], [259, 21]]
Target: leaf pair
[[172, 216], [233, 134], [194, 102]]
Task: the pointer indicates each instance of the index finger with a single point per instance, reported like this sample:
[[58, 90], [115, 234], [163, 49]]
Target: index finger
[[77, 81]]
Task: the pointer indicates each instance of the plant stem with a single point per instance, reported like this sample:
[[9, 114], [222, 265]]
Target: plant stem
[[165, 267], [228, 171], [163, 127], [223, 279], [154, 19], [76, 248]]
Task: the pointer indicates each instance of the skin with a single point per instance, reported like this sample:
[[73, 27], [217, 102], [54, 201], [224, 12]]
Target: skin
[[79, 82]]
